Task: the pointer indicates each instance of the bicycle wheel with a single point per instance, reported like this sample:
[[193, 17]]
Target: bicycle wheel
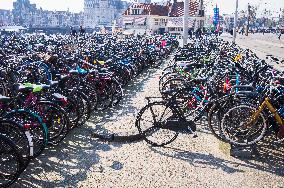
[[90, 91], [3, 88], [21, 138], [87, 108], [171, 86], [73, 111], [151, 122], [165, 77], [80, 107], [236, 128], [35, 125], [215, 115], [117, 92], [55, 119], [10, 162], [191, 103], [104, 97]]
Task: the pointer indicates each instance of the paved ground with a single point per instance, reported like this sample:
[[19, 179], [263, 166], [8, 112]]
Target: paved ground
[[261, 44], [81, 161]]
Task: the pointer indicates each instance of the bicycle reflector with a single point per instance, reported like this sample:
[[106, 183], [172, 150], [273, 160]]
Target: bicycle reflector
[[27, 126]]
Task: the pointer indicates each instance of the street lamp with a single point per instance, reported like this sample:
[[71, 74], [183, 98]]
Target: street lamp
[[235, 22], [185, 22], [248, 17]]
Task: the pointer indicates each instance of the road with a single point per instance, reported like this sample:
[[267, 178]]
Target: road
[[261, 44], [82, 161]]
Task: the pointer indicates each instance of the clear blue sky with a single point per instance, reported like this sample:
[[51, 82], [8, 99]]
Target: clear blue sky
[[226, 6]]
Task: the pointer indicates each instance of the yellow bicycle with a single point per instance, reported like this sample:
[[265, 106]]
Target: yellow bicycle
[[246, 124]]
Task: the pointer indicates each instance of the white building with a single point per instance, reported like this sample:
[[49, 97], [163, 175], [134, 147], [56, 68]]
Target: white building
[[175, 23], [155, 18], [101, 12], [6, 17], [146, 18]]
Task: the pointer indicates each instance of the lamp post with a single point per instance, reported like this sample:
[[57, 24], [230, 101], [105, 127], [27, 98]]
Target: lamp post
[[235, 22], [185, 22], [248, 21]]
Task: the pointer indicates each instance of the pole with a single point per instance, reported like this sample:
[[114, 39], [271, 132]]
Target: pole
[[185, 22], [247, 29], [201, 24], [235, 22]]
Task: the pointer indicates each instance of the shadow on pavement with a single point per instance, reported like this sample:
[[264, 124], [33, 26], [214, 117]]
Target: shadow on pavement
[[66, 164], [127, 107], [198, 159], [270, 158]]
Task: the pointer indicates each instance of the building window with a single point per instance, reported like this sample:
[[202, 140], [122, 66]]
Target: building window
[[135, 11], [156, 23]]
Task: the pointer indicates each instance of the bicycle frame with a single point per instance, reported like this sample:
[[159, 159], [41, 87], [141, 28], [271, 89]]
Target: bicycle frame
[[266, 103]]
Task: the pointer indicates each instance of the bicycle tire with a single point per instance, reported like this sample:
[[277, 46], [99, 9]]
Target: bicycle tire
[[8, 150], [147, 132], [238, 135]]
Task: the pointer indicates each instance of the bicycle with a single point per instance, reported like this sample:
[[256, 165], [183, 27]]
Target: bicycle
[[249, 125], [167, 121]]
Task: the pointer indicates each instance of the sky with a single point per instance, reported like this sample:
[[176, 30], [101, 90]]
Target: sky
[[226, 6], [229, 6], [73, 5]]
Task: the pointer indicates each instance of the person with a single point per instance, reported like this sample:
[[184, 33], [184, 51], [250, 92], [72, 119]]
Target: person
[[190, 34], [82, 31], [198, 33], [73, 31], [242, 31], [279, 36]]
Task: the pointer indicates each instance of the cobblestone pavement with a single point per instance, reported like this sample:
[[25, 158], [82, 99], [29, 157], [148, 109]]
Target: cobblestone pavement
[[82, 161]]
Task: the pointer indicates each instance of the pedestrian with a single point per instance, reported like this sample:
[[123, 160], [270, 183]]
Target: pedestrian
[[198, 33], [190, 34], [73, 31], [279, 36], [82, 30]]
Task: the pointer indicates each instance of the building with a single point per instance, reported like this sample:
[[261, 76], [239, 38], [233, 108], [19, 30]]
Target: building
[[101, 12], [6, 17], [23, 12], [26, 14], [149, 18], [175, 21], [141, 1], [158, 18]]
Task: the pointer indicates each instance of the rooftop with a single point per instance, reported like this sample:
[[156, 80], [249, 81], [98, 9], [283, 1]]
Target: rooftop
[[174, 9]]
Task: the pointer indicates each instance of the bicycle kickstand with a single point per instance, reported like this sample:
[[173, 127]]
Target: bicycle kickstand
[[194, 134]]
